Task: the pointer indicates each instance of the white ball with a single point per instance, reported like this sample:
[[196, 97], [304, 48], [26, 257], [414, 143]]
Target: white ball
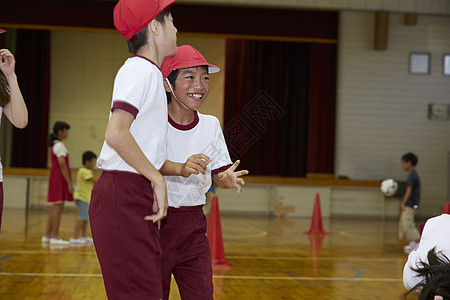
[[389, 187]]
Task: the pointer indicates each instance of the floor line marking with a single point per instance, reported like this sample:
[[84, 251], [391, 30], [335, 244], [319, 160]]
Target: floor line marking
[[310, 258], [304, 278]]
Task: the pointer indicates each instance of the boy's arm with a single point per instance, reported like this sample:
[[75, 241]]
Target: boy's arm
[[195, 164], [405, 198], [119, 137], [92, 179], [231, 179], [16, 110]]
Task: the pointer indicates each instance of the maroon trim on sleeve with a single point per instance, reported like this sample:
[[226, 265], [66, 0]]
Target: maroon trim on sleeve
[[118, 104], [143, 57], [185, 127], [221, 169]]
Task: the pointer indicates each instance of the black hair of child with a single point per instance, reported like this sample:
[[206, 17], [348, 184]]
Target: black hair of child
[[57, 127], [436, 274], [88, 156], [410, 157]]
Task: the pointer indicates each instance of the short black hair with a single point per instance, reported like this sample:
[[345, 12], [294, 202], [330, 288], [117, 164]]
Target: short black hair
[[88, 156], [140, 38], [410, 157]]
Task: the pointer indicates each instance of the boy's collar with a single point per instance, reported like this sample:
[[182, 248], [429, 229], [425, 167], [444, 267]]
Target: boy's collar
[[185, 127]]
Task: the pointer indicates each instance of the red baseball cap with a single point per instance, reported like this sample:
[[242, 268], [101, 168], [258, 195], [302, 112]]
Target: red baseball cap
[[186, 57], [131, 16], [2, 30]]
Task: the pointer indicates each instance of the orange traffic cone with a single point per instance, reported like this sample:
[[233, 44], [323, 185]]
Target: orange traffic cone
[[316, 221], [446, 207], [214, 234]]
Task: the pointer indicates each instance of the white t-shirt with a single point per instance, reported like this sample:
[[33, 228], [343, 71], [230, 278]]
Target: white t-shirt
[[139, 90], [202, 136], [435, 234]]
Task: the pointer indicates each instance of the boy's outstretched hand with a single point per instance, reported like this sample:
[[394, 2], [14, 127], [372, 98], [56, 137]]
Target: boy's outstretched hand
[[231, 179]]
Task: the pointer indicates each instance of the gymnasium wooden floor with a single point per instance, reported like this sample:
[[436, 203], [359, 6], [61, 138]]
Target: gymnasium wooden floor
[[272, 259]]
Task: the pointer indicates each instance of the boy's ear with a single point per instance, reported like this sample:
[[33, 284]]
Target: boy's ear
[[166, 86], [153, 26]]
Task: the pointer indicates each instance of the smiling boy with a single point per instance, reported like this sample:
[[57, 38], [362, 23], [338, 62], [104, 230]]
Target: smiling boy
[[185, 247]]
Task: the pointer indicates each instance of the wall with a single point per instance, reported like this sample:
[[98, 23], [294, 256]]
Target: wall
[[83, 68], [262, 199], [382, 109]]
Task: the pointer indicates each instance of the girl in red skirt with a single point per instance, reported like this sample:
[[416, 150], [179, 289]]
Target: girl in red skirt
[[60, 188]]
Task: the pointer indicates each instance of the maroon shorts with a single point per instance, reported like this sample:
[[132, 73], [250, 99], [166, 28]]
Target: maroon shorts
[[127, 246], [186, 253]]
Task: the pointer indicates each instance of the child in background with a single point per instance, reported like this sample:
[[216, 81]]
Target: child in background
[[85, 183], [410, 203], [185, 247], [11, 102], [60, 188]]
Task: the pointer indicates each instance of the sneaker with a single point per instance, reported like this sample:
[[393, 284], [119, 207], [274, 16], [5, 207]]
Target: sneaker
[[58, 242], [87, 239], [46, 239], [78, 241]]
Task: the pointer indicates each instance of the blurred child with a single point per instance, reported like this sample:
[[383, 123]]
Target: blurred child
[[60, 188], [11, 102], [185, 247], [410, 203], [82, 196]]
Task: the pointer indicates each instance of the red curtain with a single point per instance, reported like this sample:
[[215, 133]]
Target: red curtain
[[33, 73], [322, 108], [266, 98], [279, 114]]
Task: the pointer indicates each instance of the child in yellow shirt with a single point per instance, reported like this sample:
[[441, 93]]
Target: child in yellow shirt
[[82, 196]]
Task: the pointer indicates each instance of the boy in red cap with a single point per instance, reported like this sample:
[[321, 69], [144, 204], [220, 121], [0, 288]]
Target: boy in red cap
[[132, 189], [186, 252]]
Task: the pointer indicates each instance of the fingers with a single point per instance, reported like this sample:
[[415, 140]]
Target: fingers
[[240, 181], [202, 157], [155, 206], [234, 166], [156, 217], [4, 53], [197, 164], [241, 173]]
